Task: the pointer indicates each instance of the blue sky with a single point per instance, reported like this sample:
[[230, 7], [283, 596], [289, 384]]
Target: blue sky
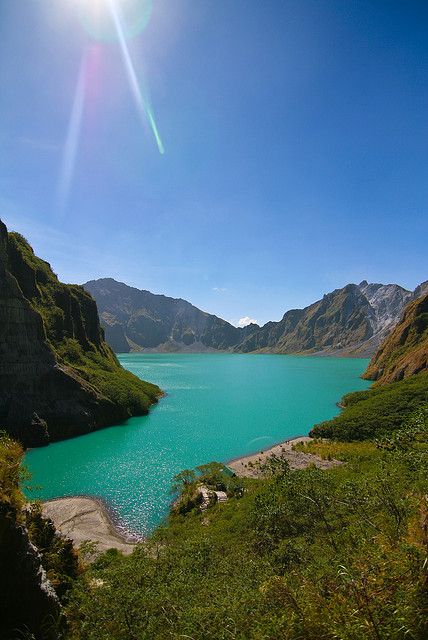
[[295, 136]]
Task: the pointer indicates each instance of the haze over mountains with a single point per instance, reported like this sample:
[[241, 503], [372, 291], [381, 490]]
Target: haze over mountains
[[352, 321]]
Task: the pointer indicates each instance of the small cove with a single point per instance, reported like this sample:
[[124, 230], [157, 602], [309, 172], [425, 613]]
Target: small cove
[[217, 407]]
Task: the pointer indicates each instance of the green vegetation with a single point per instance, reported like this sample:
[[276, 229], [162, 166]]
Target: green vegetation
[[367, 414], [305, 554], [213, 476], [11, 474], [103, 371], [71, 323]]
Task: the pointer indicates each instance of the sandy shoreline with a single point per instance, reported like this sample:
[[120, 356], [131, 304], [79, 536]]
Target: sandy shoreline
[[83, 518], [248, 466]]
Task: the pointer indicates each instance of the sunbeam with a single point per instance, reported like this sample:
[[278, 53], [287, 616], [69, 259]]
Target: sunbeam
[[72, 140], [141, 101]]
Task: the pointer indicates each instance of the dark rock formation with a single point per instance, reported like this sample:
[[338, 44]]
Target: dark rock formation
[[28, 601], [58, 378]]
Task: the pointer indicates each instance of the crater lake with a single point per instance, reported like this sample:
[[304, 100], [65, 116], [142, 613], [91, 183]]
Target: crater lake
[[216, 407]]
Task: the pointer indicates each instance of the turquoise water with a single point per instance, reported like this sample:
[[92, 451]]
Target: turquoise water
[[217, 407]]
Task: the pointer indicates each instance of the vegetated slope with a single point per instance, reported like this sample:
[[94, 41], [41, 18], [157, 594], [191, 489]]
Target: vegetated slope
[[138, 320], [400, 369], [58, 378], [367, 414], [38, 565], [348, 321], [299, 554], [405, 352]]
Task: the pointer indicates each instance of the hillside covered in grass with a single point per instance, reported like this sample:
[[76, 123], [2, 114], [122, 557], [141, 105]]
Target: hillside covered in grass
[[58, 377], [372, 412]]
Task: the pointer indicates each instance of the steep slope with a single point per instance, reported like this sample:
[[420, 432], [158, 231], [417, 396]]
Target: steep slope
[[136, 320], [405, 351], [349, 321], [58, 378], [28, 602]]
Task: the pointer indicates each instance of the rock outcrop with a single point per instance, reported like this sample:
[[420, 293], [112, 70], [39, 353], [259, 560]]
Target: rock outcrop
[[405, 351], [58, 378], [29, 606]]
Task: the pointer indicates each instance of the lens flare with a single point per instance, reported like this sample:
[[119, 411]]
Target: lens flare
[[72, 140], [97, 20], [104, 21], [140, 94]]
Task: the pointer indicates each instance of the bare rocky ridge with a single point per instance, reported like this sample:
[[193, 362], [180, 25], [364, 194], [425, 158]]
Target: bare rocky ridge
[[352, 321]]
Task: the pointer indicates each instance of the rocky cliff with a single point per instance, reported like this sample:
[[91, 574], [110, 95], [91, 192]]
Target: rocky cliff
[[137, 320], [28, 602], [405, 351], [58, 378]]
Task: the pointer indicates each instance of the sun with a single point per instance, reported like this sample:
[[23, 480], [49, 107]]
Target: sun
[[96, 17]]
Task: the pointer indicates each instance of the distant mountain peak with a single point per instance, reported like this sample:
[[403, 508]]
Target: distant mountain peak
[[135, 319]]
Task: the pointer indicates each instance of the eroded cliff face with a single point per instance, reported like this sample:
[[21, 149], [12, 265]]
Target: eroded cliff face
[[341, 320], [28, 602], [405, 351], [57, 375]]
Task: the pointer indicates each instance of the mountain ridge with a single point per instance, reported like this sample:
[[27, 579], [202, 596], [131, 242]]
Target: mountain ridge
[[138, 320], [349, 321]]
